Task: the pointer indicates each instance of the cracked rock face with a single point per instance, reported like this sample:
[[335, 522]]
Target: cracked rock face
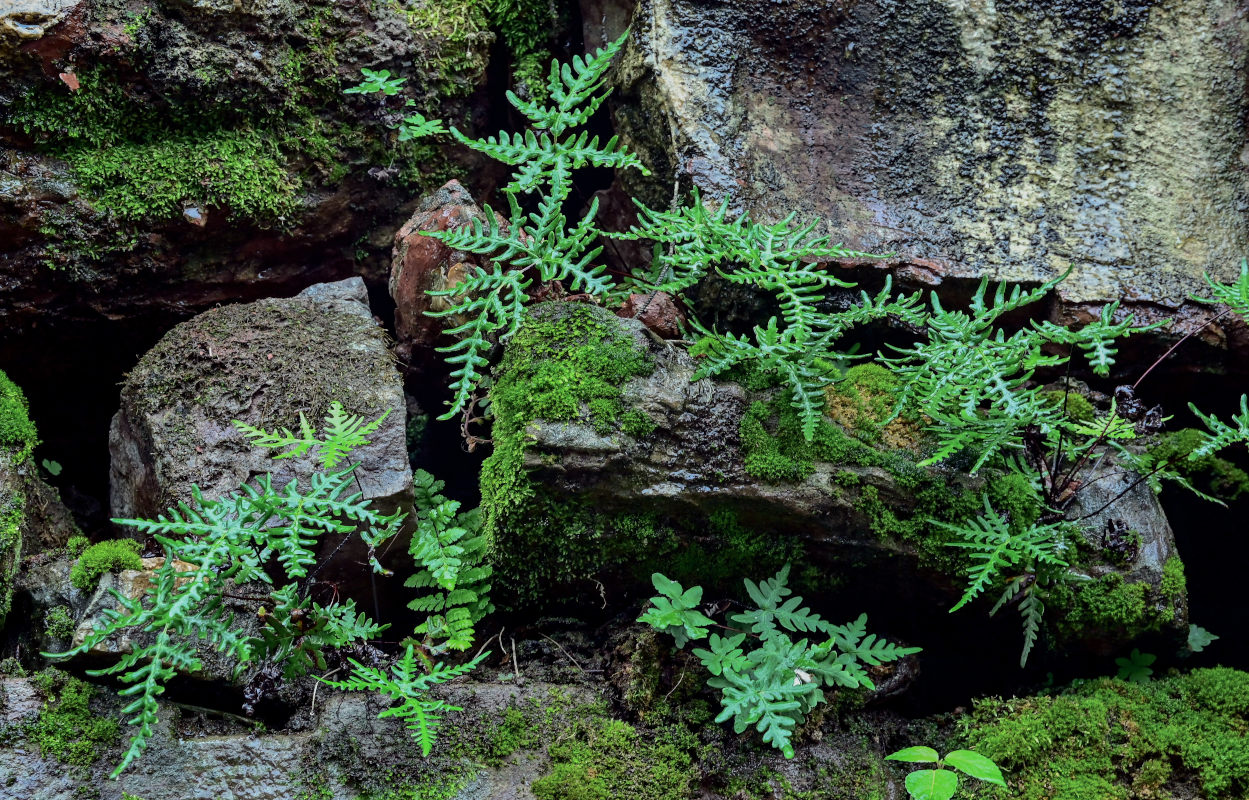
[[973, 138]]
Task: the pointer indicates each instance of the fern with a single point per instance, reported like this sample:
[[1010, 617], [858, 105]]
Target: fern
[[995, 546], [1221, 433], [343, 433], [406, 684], [774, 685], [450, 551], [245, 537], [975, 382]]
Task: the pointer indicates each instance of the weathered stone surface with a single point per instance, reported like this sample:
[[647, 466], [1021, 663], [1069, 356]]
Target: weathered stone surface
[[421, 264], [692, 464], [264, 363], [193, 81], [1012, 140]]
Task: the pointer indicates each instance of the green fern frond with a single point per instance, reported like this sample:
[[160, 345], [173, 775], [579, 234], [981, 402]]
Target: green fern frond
[[410, 688], [1221, 434], [343, 433], [1234, 295]]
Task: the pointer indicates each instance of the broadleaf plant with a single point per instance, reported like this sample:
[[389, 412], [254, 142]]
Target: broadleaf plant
[[937, 783], [766, 678]]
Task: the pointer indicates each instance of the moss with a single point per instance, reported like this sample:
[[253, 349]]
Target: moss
[[514, 732], [12, 515], [1014, 495], [1110, 739], [76, 544], [603, 759], [457, 33], [1216, 476], [775, 450], [864, 399], [1078, 407], [1109, 603], [66, 728], [16, 429], [58, 623], [1174, 586], [108, 556], [567, 361]]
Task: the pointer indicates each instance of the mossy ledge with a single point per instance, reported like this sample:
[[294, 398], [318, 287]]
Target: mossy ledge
[[18, 438]]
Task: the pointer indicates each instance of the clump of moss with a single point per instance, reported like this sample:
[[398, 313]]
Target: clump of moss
[[604, 759], [107, 556], [16, 429], [567, 361], [1078, 407], [775, 450], [76, 544], [861, 402], [1109, 603], [66, 728], [1174, 586], [1113, 740], [58, 623], [1212, 474]]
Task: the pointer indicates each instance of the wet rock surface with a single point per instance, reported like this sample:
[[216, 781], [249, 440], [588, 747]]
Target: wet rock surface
[[1012, 140]]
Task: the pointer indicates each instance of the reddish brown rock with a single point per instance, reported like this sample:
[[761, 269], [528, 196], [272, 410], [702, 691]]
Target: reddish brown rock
[[421, 264], [658, 312]]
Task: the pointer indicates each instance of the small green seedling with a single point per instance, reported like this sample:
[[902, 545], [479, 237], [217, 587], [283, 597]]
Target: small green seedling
[[377, 81], [1136, 667], [939, 783]]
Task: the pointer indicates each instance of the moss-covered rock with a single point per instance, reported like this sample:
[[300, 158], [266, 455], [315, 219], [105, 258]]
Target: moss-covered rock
[[17, 439], [1183, 736]]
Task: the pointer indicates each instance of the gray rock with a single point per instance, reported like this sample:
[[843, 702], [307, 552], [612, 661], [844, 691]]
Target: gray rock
[[264, 363], [972, 138]]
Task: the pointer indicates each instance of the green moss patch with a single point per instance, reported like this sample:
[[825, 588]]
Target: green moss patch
[[1112, 605], [16, 429], [599, 758], [66, 728], [1112, 740], [107, 556]]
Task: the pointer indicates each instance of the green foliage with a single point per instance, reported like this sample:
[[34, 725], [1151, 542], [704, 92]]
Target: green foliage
[[1208, 476], [16, 429], [974, 381], [377, 81], [1199, 638], [1136, 667], [244, 537], [76, 544], [1112, 740], [111, 555], [58, 623], [409, 686], [775, 683], [938, 783], [450, 551], [66, 728], [343, 433]]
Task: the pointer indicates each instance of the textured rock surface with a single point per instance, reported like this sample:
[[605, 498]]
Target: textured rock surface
[[263, 363], [693, 464], [263, 180], [421, 264], [974, 138]]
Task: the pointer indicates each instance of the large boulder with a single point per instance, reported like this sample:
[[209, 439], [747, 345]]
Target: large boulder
[[1013, 140], [264, 363], [720, 464]]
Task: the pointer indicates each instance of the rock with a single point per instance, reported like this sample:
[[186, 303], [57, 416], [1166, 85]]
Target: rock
[[421, 264], [1012, 141], [861, 517], [264, 363], [657, 312], [203, 152]]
